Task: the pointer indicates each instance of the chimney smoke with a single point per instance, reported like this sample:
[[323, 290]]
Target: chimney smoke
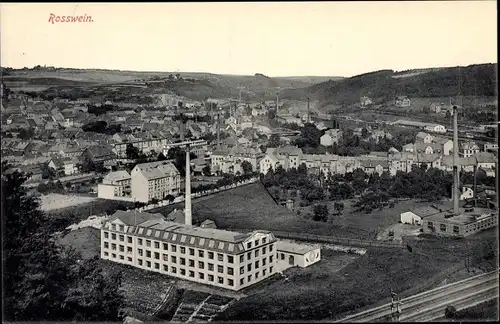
[[187, 200], [456, 176]]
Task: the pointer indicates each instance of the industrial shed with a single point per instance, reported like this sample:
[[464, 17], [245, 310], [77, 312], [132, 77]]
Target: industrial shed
[[289, 254]]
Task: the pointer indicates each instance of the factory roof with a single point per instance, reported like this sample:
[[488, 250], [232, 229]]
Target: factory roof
[[465, 216], [154, 226]]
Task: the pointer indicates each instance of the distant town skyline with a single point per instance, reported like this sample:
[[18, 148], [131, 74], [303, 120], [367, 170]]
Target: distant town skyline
[[275, 39]]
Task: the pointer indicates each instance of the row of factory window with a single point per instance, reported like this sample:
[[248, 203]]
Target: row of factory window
[[191, 263], [487, 223], [442, 227], [470, 228], [173, 248], [191, 273]]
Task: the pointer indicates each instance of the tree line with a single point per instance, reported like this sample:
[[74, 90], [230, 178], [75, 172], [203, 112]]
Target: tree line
[[41, 279], [373, 191]]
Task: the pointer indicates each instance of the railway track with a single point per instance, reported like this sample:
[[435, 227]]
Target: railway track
[[431, 304], [460, 302]]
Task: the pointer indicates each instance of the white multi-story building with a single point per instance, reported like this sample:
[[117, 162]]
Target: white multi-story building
[[145, 146], [287, 157], [229, 160], [115, 185], [154, 180], [209, 256], [469, 149], [292, 157]]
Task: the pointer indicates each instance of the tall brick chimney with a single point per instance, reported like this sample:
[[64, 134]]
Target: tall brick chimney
[[187, 200]]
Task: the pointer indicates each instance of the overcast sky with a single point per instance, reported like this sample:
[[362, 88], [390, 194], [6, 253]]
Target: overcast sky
[[276, 39]]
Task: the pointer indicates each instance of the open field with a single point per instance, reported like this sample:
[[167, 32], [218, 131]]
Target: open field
[[372, 223], [57, 201], [62, 218], [331, 289], [251, 207]]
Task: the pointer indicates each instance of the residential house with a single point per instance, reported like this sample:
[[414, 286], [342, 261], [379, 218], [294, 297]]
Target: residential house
[[436, 107], [469, 149], [446, 144], [286, 157], [98, 154], [57, 165], [430, 160], [465, 164], [401, 162], [229, 160], [154, 180], [365, 101], [428, 148], [331, 136], [115, 185], [374, 166], [378, 134], [491, 147], [435, 128], [34, 171], [259, 111], [424, 138], [487, 161], [71, 151], [402, 101], [409, 148]]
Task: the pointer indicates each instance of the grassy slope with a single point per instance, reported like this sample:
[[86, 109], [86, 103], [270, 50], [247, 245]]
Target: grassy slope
[[86, 241], [251, 207], [312, 293]]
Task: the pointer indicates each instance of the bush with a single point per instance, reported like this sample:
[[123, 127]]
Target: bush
[[450, 312]]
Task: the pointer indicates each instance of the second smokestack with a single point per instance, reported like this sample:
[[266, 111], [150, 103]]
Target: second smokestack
[[456, 176]]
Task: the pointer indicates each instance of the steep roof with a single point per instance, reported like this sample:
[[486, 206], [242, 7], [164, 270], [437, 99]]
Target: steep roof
[[485, 157], [440, 140], [116, 176], [156, 170], [134, 217], [423, 146], [176, 216], [374, 163], [421, 135], [428, 158]]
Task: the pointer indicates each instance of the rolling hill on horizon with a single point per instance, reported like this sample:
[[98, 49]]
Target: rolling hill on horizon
[[380, 85], [479, 80], [195, 85]]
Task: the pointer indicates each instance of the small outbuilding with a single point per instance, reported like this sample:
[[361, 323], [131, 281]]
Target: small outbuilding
[[290, 254]]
